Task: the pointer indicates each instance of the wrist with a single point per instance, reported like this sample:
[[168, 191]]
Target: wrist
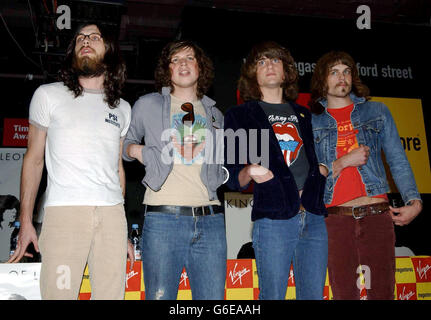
[[134, 151], [244, 177], [415, 202], [26, 222], [324, 169], [341, 163]]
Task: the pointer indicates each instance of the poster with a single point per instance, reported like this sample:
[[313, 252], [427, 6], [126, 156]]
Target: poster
[[10, 174], [19, 281]]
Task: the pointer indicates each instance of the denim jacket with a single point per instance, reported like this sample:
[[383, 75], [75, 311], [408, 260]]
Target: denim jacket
[[377, 130], [151, 118]]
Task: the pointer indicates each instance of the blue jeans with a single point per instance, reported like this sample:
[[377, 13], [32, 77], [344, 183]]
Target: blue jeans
[[301, 240], [171, 242]]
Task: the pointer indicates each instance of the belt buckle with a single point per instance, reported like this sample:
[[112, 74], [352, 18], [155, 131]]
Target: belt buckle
[[197, 208], [353, 212]]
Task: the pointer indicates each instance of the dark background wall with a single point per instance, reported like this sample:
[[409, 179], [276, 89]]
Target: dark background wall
[[227, 36]]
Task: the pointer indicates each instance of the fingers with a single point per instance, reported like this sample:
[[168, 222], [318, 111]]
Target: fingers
[[12, 257], [396, 210], [36, 246], [366, 148], [396, 219], [132, 258], [364, 154], [401, 219], [258, 170], [132, 262], [17, 256], [21, 251], [260, 174], [130, 254]]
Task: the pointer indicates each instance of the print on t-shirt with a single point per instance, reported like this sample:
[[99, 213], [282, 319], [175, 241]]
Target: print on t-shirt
[[289, 140], [286, 126], [346, 137], [189, 138]]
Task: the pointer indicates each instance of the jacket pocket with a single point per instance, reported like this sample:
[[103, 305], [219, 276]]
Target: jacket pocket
[[269, 196], [372, 130]]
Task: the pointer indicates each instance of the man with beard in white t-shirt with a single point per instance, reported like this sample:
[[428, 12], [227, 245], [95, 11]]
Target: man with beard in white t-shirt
[[78, 125]]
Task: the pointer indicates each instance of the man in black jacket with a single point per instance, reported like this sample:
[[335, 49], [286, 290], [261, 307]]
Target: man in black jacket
[[288, 209]]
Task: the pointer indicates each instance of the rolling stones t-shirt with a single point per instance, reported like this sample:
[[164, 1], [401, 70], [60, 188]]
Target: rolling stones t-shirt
[[285, 124]]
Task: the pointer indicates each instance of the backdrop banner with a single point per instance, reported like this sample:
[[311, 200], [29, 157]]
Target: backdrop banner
[[19, 281], [10, 175]]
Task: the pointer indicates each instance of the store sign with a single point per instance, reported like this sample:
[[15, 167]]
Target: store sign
[[15, 132]]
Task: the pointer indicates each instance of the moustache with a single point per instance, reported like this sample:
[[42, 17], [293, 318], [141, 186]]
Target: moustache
[[86, 47]]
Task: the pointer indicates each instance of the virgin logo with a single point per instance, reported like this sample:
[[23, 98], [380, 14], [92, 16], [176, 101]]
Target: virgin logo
[[406, 296], [291, 276], [183, 279], [422, 272], [130, 275], [236, 276]]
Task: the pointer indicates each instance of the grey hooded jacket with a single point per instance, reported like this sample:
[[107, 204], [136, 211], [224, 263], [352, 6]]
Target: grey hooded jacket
[[151, 119]]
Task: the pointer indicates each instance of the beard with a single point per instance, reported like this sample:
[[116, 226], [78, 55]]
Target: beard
[[88, 67]]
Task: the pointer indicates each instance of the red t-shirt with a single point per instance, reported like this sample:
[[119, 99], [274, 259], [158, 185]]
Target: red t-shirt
[[349, 185]]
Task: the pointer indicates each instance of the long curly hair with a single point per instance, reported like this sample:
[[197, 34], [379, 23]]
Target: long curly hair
[[162, 73], [319, 86], [247, 84], [114, 68]]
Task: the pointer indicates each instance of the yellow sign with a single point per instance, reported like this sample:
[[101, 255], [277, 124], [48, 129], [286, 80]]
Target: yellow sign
[[412, 281], [409, 119]]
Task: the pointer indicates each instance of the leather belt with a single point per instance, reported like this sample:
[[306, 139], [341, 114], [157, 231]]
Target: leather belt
[[359, 212], [186, 211]]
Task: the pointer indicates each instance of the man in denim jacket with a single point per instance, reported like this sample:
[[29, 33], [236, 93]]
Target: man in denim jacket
[[349, 134]]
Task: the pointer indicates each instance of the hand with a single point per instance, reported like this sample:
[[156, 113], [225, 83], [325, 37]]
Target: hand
[[323, 170], [259, 174], [355, 158], [188, 150], [27, 235], [130, 254], [135, 151], [406, 214]]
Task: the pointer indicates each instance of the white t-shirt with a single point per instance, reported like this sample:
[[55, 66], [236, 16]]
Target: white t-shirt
[[82, 145]]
